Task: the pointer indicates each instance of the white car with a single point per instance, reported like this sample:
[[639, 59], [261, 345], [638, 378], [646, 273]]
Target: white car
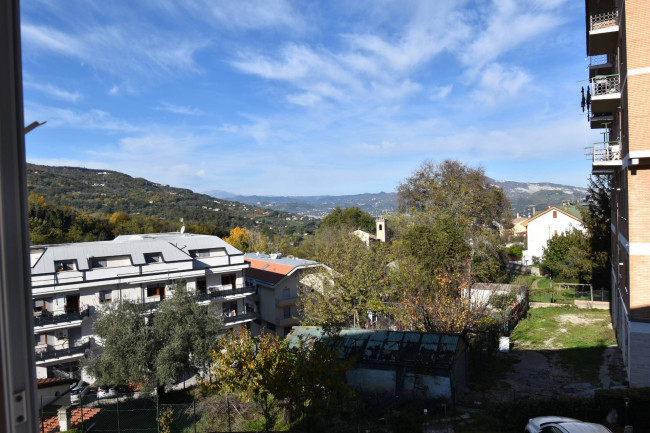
[[106, 392], [559, 424], [78, 392]]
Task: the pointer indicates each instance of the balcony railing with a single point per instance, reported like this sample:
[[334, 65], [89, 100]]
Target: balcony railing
[[605, 85], [606, 151], [60, 353], [239, 318], [46, 319], [215, 294], [604, 19]]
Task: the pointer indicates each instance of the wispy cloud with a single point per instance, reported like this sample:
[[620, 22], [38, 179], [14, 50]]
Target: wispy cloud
[[93, 119], [53, 91], [498, 84], [247, 14], [178, 109]]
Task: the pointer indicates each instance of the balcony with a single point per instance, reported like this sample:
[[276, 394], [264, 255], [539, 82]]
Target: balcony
[[239, 318], [605, 157], [601, 65], [283, 321], [52, 356], [219, 293], [600, 120], [45, 321], [286, 302], [603, 32], [605, 93]]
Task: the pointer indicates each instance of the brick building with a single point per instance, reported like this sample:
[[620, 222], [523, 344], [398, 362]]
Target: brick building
[[618, 43]]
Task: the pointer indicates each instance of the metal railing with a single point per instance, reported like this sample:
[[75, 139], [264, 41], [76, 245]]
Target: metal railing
[[600, 60], [239, 317], [47, 319], [215, 294], [603, 20], [59, 353], [605, 84], [606, 151]]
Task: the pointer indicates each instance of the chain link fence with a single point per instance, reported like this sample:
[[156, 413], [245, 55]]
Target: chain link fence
[[144, 413]]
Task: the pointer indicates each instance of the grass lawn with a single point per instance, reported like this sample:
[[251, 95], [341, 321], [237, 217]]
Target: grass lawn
[[578, 337]]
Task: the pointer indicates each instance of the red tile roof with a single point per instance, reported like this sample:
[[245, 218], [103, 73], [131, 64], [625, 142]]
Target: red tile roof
[[51, 424], [52, 381], [267, 272]]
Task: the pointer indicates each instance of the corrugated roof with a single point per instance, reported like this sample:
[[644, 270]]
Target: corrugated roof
[[174, 247], [52, 381], [388, 347]]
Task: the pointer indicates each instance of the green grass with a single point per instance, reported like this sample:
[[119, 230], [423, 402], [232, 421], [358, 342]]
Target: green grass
[[577, 337], [562, 296]]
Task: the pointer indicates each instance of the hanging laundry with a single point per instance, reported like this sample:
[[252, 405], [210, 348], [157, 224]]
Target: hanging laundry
[[582, 102], [588, 98]]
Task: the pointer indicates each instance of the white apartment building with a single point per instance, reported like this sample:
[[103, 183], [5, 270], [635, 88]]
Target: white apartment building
[[70, 282]]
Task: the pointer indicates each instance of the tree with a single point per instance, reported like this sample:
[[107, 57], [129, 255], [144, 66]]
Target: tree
[[567, 257], [353, 284], [352, 218], [304, 380], [239, 238], [597, 219], [153, 347]]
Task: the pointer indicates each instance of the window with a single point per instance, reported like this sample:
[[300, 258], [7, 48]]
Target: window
[[228, 280], [105, 296], [64, 265], [40, 339], [98, 263], [153, 258], [201, 286], [156, 291], [286, 313], [554, 214], [200, 253], [286, 294], [39, 305]]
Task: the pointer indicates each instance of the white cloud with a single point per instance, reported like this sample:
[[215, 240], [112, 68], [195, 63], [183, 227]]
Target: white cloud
[[93, 119], [178, 109], [247, 14], [439, 93], [500, 83], [53, 91], [508, 24]]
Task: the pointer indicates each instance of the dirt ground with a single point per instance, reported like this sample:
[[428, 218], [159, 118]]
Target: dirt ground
[[542, 374]]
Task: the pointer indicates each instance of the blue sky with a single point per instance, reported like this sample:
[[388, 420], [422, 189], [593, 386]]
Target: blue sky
[[278, 97]]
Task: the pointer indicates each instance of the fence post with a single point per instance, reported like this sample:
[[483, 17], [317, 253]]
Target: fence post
[[228, 407], [158, 412], [118, 413], [591, 289], [42, 426]]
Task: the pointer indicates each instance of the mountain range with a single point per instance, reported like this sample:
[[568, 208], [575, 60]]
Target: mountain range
[[523, 197]]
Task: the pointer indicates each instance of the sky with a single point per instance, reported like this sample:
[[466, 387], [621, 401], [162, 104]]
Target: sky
[[280, 97]]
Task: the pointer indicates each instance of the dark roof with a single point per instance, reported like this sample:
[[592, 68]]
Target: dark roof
[[388, 347]]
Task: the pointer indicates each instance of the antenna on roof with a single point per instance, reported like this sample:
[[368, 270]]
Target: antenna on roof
[[183, 227]]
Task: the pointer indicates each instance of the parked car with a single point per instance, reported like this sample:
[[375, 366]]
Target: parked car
[[82, 388], [106, 392], [559, 424]]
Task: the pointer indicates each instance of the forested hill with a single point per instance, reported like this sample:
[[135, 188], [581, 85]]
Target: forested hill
[[104, 192]]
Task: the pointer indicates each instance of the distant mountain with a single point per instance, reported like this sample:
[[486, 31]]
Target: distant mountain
[[106, 192], [523, 197], [320, 205]]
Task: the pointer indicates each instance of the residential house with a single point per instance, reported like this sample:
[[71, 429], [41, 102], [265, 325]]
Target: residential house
[[543, 226], [380, 232], [279, 281], [619, 73], [70, 282]]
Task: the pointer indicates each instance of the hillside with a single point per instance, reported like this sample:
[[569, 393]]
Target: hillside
[[104, 192], [523, 196]]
